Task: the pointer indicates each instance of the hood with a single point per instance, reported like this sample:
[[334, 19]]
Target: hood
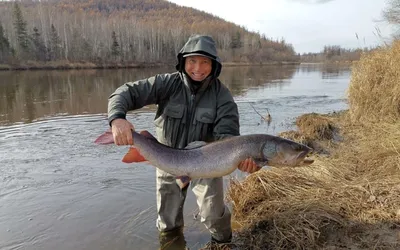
[[203, 45]]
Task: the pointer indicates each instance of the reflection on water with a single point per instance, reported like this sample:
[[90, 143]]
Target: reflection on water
[[27, 96], [327, 71], [58, 190], [240, 79]]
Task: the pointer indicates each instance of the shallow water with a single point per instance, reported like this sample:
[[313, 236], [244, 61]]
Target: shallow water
[[61, 191]]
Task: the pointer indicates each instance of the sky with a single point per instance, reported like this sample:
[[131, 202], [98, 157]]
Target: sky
[[308, 25]]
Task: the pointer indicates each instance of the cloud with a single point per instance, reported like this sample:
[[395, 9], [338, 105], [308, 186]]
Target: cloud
[[312, 1], [323, 1]]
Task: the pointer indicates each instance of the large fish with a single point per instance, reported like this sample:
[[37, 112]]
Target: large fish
[[216, 159]]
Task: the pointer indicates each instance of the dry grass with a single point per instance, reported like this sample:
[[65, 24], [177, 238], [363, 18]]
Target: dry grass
[[374, 93], [297, 137], [347, 200], [315, 126], [351, 198], [316, 131]]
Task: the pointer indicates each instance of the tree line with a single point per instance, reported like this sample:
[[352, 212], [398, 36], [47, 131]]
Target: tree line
[[130, 31], [334, 53]]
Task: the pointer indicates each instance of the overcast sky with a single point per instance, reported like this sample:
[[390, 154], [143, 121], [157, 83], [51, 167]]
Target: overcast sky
[[307, 24]]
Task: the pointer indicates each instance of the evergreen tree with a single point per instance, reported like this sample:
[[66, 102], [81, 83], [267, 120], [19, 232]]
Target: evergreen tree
[[236, 41], [4, 43], [20, 31], [5, 48], [115, 48], [38, 45], [55, 47]]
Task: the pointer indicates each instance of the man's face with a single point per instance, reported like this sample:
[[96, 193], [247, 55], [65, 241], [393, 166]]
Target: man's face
[[198, 67]]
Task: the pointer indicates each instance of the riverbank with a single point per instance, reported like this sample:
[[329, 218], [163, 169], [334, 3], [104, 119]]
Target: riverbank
[[349, 197], [65, 65]]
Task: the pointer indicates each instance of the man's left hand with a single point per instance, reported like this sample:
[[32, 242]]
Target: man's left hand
[[249, 166]]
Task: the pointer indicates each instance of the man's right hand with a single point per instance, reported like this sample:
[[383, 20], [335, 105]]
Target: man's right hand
[[122, 131]]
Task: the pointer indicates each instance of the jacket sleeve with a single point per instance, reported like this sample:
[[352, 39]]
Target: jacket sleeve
[[135, 95], [227, 118]]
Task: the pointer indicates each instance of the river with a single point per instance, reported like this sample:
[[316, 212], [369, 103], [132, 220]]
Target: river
[[59, 190]]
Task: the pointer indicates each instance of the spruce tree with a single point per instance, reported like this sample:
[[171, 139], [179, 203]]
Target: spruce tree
[[38, 45], [5, 48], [20, 31], [4, 43], [55, 47], [115, 49], [236, 41]]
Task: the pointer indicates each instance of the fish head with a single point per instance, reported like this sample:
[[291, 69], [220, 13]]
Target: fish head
[[283, 152]]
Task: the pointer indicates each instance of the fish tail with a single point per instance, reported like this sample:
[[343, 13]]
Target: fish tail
[[133, 155], [106, 138]]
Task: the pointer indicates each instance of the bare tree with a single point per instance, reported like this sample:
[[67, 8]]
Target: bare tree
[[391, 14], [80, 31]]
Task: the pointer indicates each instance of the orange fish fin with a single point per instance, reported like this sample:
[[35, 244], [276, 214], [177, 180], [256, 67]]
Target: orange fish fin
[[106, 138], [182, 181], [133, 155], [147, 134]]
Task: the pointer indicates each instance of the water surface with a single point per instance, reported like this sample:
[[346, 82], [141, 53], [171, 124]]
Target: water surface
[[58, 190]]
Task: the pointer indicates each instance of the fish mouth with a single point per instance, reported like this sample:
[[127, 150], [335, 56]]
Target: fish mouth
[[302, 157], [308, 161]]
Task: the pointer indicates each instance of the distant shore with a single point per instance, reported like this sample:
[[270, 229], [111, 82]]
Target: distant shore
[[64, 65]]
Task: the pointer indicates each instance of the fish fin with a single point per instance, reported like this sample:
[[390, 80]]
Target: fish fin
[[106, 138], [261, 163], [147, 134], [182, 181], [196, 144], [133, 155]]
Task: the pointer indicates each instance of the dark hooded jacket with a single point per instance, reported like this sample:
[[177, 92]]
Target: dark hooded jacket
[[187, 111]]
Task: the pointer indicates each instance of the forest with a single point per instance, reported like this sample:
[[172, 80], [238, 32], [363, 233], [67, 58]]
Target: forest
[[335, 53], [100, 33]]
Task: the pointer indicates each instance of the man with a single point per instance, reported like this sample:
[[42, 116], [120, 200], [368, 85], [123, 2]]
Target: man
[[193, 105]]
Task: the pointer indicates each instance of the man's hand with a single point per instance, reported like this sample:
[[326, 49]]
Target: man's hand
[[249, 166], [122, 131]]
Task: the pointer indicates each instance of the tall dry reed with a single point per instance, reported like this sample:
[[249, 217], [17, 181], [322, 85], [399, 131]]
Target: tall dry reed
[[347, 199], [374, 92]]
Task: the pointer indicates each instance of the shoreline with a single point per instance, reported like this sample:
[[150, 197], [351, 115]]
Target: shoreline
[[63, 65]]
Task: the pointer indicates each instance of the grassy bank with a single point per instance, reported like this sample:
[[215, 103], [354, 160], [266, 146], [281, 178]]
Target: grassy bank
[[350, 197]]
